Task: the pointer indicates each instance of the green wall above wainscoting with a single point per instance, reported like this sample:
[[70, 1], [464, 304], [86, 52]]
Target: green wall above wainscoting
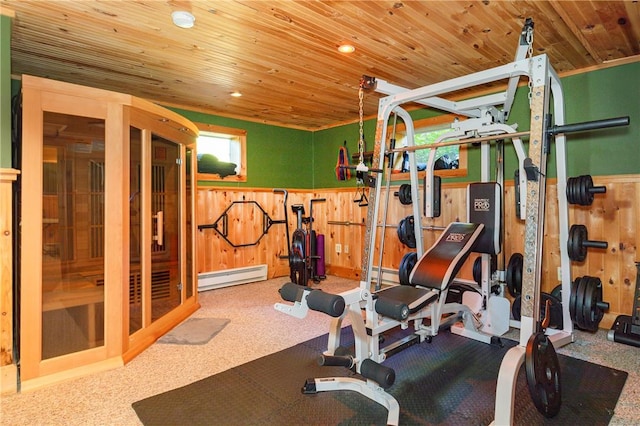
[[277, 157]]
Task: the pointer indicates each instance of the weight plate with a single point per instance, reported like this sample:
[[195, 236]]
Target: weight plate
[[543, 374], [572, 298], [404, 194], [588, 200], [477, 269], [575, 247], [406, 232], [580, 293], [514, 274], [591, 313], [570, 190], [557, 292], [407, 264], [516, 308]]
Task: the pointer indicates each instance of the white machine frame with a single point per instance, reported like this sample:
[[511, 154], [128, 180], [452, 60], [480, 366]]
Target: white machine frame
[[486, 123], [545, 85]]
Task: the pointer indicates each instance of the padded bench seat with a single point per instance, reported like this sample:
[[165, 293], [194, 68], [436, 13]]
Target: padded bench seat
[[432, 274]]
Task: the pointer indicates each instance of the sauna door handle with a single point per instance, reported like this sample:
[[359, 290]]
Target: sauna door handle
[[159, 237]]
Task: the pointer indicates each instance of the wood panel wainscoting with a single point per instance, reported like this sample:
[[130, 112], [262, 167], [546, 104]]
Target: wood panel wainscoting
[[613, 217], [8, 370]]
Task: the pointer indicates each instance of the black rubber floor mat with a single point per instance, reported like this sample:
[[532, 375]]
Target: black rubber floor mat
[[451, 381]]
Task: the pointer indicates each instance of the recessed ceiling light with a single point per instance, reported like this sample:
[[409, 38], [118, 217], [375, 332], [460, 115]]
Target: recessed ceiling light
[[183, 19], [346, 48], [236, 94]]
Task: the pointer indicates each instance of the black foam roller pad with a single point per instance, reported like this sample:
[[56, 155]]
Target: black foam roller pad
[[382, 375], [397, 310], [330, 304], [292, 292]]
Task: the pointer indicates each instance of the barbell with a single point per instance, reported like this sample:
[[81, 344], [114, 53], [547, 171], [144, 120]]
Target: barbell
[[579, 242], [580, 190]]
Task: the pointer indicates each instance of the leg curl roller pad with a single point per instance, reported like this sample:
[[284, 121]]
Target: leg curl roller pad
[[330, 304], [384, 376], [397, 310], [292, 292]]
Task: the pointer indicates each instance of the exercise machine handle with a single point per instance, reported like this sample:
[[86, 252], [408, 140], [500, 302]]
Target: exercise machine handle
[[590, 125], [336, 361]]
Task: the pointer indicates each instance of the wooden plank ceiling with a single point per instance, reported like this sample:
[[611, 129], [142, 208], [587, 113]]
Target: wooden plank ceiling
[[282, 55]]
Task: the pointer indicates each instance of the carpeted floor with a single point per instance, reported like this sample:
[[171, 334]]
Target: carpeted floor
[[254, 331], [450, 381]]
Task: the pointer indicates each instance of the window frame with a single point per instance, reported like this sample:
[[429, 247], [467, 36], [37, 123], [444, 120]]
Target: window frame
[[424, 123], [241, 135]]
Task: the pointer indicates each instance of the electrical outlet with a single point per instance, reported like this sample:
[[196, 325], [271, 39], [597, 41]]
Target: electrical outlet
[[338, 248], [346, 249], [559, 274]]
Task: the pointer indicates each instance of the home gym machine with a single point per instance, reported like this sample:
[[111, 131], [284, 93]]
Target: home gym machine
[[422, 304], [305, 249]]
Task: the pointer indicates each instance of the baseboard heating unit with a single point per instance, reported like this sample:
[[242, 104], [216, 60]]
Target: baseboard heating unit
[[229, 277]]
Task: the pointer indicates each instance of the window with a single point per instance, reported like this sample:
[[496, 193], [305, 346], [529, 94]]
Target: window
[[221, 153], [450, 160]]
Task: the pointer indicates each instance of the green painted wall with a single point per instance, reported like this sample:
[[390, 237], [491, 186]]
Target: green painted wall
[[601, 94], [277, 157], [5, 91]]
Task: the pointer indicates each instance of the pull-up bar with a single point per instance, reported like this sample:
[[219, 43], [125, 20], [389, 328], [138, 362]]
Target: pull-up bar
[[552, 131]]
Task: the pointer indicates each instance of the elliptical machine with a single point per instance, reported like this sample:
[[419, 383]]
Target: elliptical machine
[[302, 245]]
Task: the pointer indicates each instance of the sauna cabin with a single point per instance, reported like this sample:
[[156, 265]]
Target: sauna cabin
[[107, 238]]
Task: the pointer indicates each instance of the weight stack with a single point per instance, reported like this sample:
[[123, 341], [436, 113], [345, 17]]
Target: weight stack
[[320, 253]]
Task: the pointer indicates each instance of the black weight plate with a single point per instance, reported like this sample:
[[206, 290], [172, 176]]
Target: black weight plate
[[589, 304], [557, 292], [571, 184], [572, 298], [516, 308], [592, 315], [406, 233], [514, 274], [589, 195], [404, 194], [576, 190], [407, 264], [599, 313], [580, 294], [477, 269], [401, 232], [579, 190], [577, 236], [543, 375]]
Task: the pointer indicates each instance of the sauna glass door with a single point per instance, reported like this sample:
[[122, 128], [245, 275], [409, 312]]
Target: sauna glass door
[[166, 287], [73, 229]]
